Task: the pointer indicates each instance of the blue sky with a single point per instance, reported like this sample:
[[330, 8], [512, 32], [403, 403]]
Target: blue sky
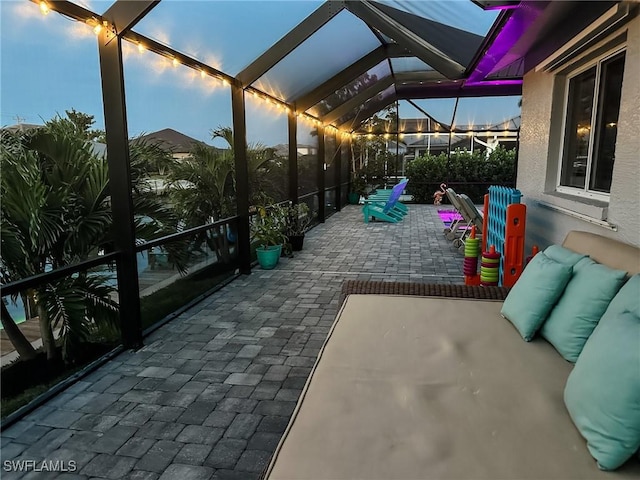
[[50, 64]]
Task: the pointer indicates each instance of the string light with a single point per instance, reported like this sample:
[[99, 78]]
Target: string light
[[97, 26], [175, 62], [202, 74], [140, 47], [44, 8]]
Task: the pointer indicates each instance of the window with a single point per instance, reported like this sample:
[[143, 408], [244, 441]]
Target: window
[[593, 104]]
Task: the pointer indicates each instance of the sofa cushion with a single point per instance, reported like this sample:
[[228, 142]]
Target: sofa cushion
[[563, 255], [438, 388], [584, 301], [535, 293], [603, 390]]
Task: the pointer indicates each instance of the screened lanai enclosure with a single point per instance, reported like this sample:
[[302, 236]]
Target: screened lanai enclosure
[[162, 127]]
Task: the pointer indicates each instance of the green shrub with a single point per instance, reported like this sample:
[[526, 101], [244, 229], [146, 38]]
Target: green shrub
[[465, 172]]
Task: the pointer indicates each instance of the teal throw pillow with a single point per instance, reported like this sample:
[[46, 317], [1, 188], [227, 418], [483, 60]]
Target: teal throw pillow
[[628, 298], [535, 293], [584, 301], [603, 390], [563, 255]]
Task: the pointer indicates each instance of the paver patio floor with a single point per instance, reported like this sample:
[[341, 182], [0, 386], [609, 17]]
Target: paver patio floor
[[211, 393]]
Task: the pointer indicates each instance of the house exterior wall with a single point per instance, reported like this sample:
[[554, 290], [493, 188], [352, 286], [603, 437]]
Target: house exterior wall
[[543, 99]]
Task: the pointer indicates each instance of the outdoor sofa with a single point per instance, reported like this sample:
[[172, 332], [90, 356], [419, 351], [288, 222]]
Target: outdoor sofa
[[413, 383]]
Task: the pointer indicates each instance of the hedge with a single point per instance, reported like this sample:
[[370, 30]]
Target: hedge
[[466, 172]]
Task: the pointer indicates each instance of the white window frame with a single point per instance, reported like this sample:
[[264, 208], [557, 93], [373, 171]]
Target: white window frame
[[584, 192]]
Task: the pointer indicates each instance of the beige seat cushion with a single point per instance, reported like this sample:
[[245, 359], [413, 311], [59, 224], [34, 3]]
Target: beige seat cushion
[[429, 388]]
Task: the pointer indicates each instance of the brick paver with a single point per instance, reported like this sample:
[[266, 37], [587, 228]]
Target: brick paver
[[211, 392]]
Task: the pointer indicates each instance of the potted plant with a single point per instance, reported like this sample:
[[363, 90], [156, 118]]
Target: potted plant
[[268, 232], [358, 188], [297, 223]]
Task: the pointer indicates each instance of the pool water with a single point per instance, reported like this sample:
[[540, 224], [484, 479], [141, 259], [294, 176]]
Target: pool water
[[16, 309]]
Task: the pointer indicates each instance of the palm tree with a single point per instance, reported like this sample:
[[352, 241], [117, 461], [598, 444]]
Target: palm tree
[[56, 211], [202, 191], [203, 186]]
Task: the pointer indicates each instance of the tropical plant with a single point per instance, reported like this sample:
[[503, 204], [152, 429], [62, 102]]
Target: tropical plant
[[359, 184], [56, 211], [202, 192], [202, 186], [297, 219], [269, 225]]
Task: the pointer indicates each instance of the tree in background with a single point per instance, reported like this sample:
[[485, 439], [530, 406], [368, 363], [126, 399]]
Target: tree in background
[[82, 123], [202, 186], [371, 159]]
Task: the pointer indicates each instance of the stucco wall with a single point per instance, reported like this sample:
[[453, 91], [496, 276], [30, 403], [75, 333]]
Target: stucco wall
[[542, 100]]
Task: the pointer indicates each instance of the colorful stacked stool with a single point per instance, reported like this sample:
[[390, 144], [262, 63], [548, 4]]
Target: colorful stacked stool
[[472, 249], [490, 267]]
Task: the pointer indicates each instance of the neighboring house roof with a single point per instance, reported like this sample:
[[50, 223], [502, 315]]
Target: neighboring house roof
[[99, 148], [282, 149], [171, 140], [21, 127]]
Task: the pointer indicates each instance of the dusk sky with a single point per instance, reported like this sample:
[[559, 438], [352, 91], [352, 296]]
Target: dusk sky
[[49, 64]]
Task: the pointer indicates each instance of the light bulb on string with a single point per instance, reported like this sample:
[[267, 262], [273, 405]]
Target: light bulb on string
[[44, 8], [140, 47], [96, 26], [175, 62]]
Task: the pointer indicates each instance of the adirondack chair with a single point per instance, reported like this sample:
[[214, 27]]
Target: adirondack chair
[[387, 211], [380, 197]]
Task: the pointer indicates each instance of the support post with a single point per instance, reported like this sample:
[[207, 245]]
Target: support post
[[242, 177], [320, 171], [115, 121], [293, 157], [338, 173]]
